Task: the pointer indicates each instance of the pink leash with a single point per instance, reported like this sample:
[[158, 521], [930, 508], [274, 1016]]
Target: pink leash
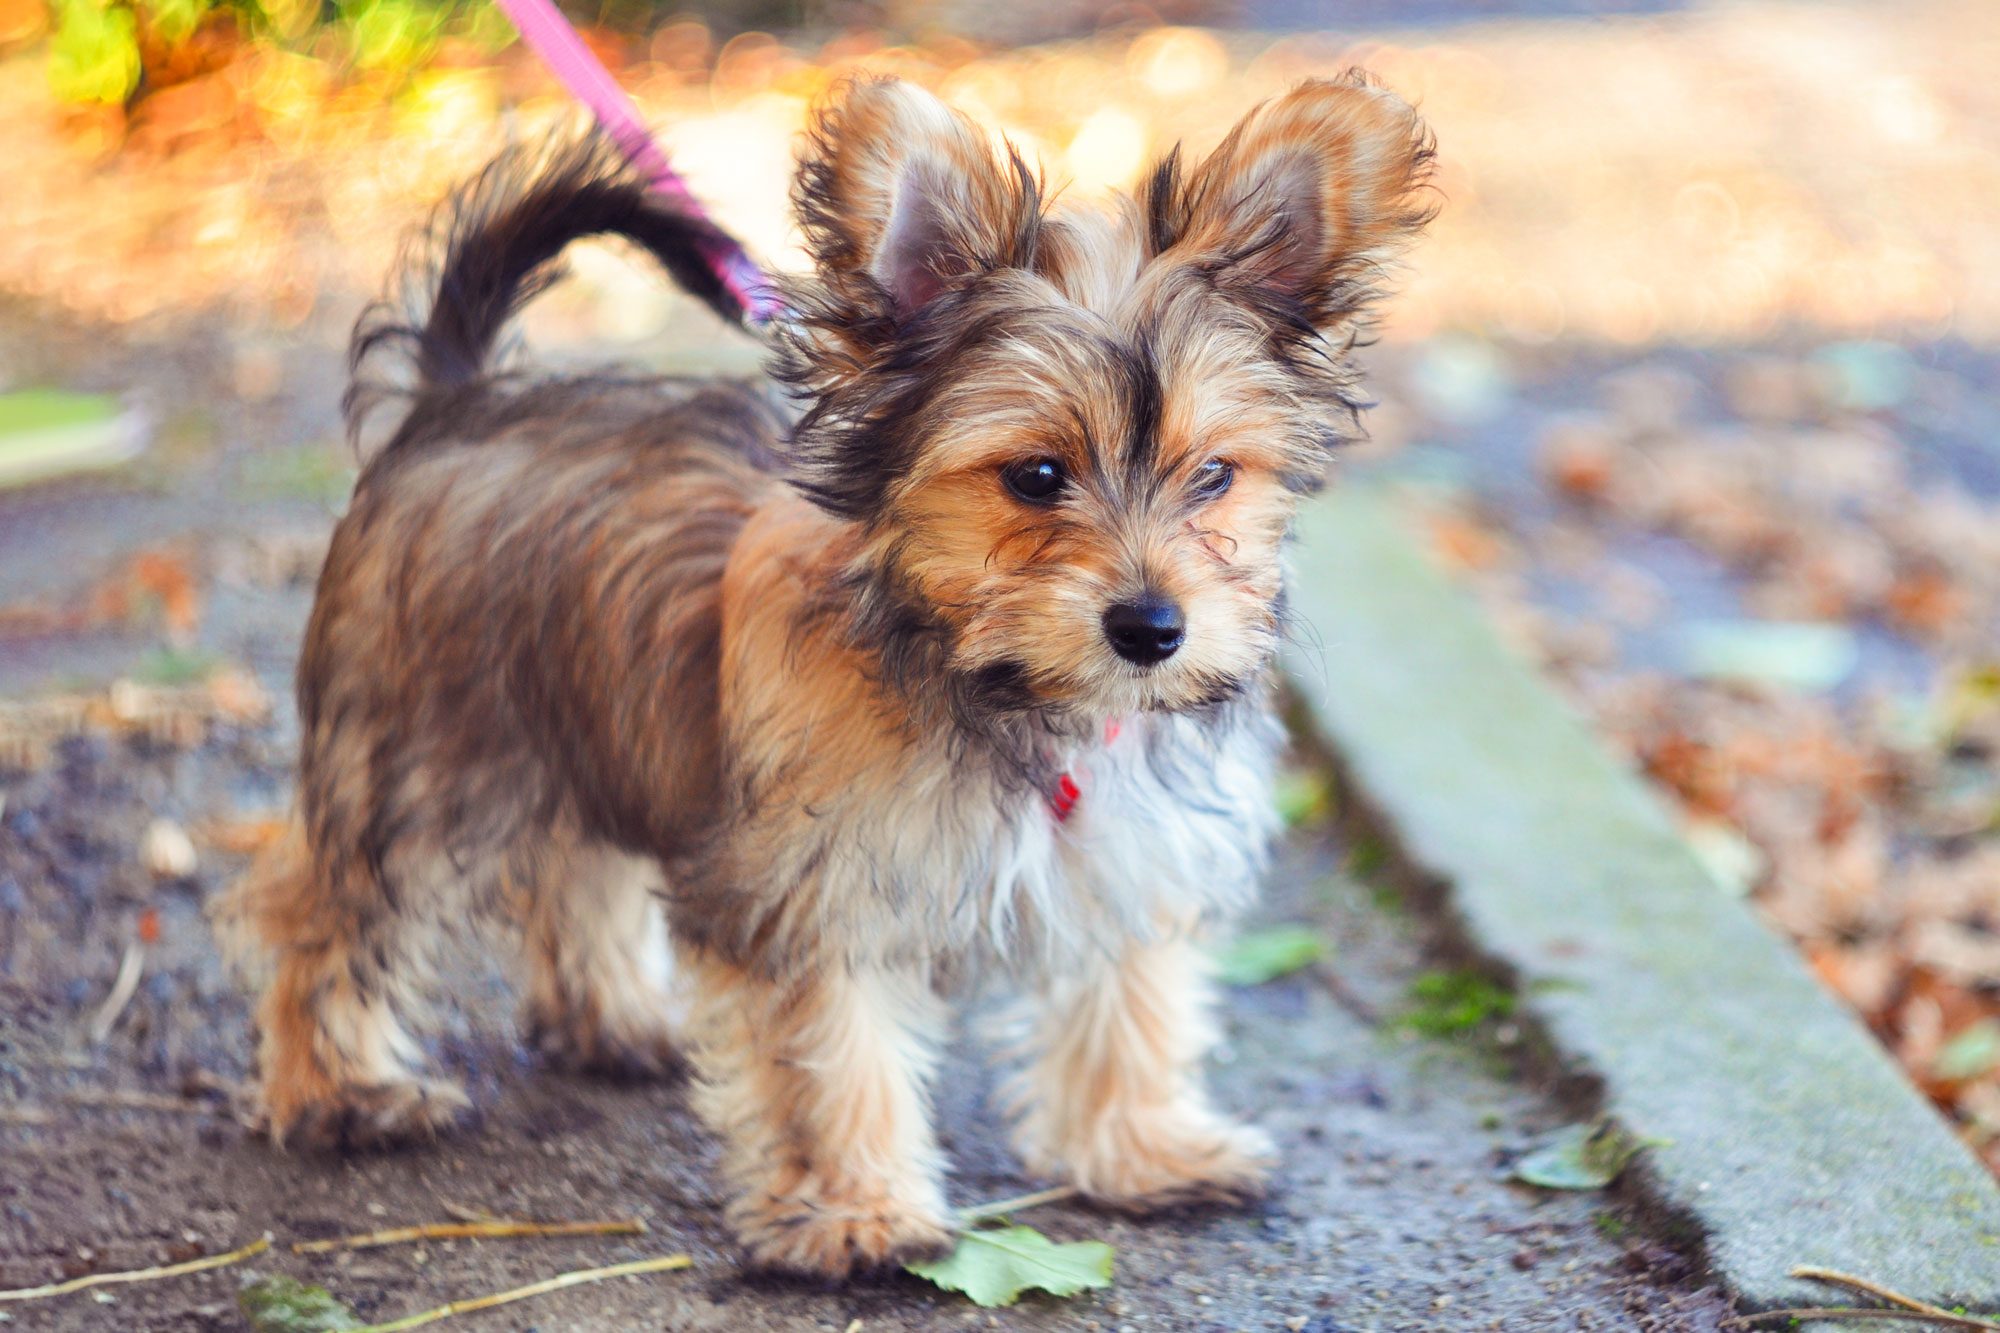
[[551, 37]]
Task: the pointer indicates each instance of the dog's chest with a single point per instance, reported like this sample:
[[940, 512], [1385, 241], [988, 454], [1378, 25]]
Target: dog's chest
[[1160, 819]]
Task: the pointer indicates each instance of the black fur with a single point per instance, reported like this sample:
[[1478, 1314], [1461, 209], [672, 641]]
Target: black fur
[[493, 246]]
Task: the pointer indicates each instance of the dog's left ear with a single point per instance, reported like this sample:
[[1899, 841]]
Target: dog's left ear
[[902, 198], [1305, 203]]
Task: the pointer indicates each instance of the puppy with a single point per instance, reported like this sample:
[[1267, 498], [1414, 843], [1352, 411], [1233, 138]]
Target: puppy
[[968, 664]]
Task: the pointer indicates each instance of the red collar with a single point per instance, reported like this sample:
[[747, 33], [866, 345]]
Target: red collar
[[1066, 793]]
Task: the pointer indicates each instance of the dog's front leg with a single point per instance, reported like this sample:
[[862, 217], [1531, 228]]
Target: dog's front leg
[[1111, 1093], [817, 1083]]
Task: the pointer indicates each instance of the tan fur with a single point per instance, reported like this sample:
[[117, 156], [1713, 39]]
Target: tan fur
[[817, 1086], [1110, 1092], [600, 992], [584, 646]]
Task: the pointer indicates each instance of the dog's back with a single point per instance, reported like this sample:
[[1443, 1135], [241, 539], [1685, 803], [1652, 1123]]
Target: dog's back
[[518, 554]]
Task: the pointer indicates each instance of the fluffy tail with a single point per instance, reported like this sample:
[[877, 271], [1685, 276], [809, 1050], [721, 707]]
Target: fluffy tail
[[493, 246]]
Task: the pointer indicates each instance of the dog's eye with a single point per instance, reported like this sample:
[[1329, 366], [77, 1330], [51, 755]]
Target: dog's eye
[[1038, 481], [1213, 478]]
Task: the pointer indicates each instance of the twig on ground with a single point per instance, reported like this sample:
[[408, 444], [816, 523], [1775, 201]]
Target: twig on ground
[[1343, 995], [1859, 1313], [1909, 1310], [459, 1212], [88, 1280], [486, 1229], [126, 1100], [122, 990], [666, 1263], [202, 1080], [979, 1212], [1835, 1277]]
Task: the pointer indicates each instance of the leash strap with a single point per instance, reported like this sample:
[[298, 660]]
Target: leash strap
[[551, 37]]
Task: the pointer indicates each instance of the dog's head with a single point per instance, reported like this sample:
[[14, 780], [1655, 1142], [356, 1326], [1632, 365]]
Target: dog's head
[[1073, 440]]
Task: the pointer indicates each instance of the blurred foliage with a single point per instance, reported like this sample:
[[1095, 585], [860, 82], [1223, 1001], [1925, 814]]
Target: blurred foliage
[[110, 51], [93, 51]]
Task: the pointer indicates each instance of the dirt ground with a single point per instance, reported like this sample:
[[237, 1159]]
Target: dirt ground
[[1392, 1210]]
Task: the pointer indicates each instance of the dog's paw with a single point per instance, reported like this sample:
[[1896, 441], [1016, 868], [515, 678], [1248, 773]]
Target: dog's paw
[[1171, 1162], [381, 1115], [630, 1052], [826, 1238]]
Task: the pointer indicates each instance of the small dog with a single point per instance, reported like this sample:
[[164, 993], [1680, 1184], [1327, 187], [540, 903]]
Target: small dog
[[969, 663]]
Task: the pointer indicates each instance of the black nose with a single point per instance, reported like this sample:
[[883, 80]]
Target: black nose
[[1146, 631]]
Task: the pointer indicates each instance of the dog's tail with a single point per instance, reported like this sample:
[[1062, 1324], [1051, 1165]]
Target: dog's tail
[[493, 246]]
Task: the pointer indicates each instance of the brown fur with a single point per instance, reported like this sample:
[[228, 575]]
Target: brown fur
[[581, 645]]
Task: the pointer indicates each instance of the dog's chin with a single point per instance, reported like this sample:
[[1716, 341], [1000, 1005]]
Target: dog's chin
[[1012, 687], [1195, 694], [1134, 690]]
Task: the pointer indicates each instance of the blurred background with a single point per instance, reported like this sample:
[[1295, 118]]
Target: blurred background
[[1693, 381]]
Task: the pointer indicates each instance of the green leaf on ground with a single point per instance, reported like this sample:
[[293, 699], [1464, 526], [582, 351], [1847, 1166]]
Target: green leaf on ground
[[1266, 955], [1451, 1004], [285, 1305], [1971, 1053], [175, 666], [1802, 655], [1581, 1157], [47, 432], [995, 1266], [1304, 796], [1732, 859]]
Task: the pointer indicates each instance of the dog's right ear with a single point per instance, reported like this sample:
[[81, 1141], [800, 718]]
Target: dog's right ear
[[901, 198]]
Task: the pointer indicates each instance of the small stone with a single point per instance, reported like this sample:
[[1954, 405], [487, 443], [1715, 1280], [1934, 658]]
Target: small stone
[[167, 851]]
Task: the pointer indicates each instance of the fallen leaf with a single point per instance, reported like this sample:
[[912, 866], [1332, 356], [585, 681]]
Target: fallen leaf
[[1581, 1157], [47, 432], [1462, 543], [285, 1305], [995, 1266], [1304, 796], [1970, 1054], [1731, 859], [241, 837], [1803, 655], [166, 850], [1266, 955]]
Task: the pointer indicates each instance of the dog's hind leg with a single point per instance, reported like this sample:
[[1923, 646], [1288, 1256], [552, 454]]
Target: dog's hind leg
[[599, 974], [343, 960]]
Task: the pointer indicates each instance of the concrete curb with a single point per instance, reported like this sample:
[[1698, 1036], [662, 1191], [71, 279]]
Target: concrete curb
[[1791, 1137]]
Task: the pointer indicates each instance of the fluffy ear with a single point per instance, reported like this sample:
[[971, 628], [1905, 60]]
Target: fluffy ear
[[901, 197], [1305, 202]]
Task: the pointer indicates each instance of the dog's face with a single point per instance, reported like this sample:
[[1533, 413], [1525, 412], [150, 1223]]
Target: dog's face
[[1074, 440]]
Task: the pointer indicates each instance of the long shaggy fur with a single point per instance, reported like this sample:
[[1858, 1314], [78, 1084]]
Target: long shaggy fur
[[763, 736], [492, 248]]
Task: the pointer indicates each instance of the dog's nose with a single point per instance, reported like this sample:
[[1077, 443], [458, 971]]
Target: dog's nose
[[1146, 631]]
